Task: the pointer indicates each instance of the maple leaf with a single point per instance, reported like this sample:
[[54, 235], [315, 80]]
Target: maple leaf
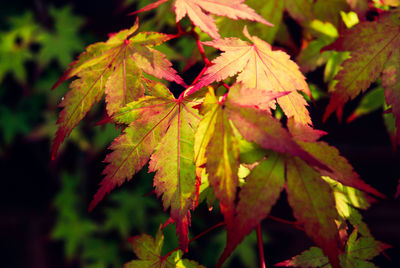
[[62, 42], [313, 205], [217, 145], [259, 67], [217, 148], [359, 251], [257, 196], [114, 67], [234, 9], [14, 46], [161, 128], [148, 250], [372, 45], [259, 126]]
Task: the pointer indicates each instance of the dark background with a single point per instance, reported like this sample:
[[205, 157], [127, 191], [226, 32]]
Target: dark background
[[30, 181]]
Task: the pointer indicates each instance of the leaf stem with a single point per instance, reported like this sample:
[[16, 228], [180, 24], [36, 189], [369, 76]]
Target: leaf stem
[[294, 224], [200, 47], [260, 246]]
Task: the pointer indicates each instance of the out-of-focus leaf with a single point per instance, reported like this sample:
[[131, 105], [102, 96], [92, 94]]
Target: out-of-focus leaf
[[64, 40], [70, 227], [126, 212], [350, 18], [15, 46]]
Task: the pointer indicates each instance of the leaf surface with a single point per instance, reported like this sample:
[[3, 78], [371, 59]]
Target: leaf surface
[[360, 250], [173, 161], [114, 67], [261, 127], [221, 154], [256, 198], [233, 9], [313, 205], [259, 67], [371, 44], [162, 130]]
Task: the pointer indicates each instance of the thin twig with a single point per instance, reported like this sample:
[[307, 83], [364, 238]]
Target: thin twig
[[196, 237], [260, 247], [294, 224]]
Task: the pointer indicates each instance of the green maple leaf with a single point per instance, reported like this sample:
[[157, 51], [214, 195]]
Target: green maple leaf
[[360, 250], [160, 127], [116, 68], [64, 40], [15, 46], [374, 49], [148, 250]]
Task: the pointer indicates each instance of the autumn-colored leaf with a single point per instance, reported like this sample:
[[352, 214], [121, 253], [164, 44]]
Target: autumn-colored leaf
[[114, 67], [161, 129], [219, 149], [256, 198], [391, 83], [198, 12], [261, 127], [259, 66], [148, 250], [233, 9], [372, 45], [313, 205]]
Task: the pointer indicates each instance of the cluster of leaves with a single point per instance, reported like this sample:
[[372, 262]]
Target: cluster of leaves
[[223, 133]]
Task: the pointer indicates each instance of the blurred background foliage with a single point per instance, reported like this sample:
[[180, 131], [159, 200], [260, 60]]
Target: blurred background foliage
[[44, 220]]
